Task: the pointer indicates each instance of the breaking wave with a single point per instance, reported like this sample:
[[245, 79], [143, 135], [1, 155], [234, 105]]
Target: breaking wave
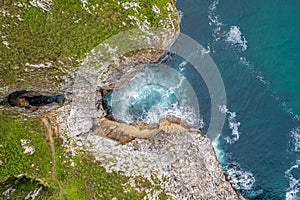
[[294, 183], [150, 97], [180, 14], [230, 36], [292, 174], [240, 178], [219, 151], [234, 36], [295, 136], [233, 124], [257, 74], [214, 21]]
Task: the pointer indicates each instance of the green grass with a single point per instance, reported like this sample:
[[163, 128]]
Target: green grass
[[88, 180], [84, 179], [13, 130], [61, 36], [14, 162]]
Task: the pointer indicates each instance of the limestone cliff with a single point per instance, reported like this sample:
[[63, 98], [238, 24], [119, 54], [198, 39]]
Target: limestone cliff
[[184, 157]]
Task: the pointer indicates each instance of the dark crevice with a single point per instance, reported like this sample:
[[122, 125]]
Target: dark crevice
[[31, 99]]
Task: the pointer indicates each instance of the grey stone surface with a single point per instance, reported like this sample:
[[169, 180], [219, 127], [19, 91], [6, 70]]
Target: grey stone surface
[[186, 158]]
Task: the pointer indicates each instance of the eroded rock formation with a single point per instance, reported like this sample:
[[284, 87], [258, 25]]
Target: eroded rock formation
[[171, 149], [183, 156]]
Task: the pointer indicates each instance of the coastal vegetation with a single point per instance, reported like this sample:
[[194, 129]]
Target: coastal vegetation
[[42, 44], [45, 40], [76, 176]]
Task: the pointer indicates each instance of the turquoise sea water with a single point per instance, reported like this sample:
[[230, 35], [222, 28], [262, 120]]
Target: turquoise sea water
[[256, 47]]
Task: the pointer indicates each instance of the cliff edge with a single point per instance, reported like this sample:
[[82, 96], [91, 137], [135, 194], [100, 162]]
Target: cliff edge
[[56, 139]]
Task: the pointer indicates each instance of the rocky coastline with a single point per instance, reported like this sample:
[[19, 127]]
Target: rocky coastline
[[171, 150], [174, 157]]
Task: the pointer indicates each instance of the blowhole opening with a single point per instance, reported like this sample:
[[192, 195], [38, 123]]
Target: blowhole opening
[[140, 105]]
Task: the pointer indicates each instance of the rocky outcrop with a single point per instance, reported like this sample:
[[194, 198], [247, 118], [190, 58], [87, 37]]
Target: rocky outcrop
[[184, 157], [124, 133], [171, 151], [112, 66], [181, 157], [118, 77]]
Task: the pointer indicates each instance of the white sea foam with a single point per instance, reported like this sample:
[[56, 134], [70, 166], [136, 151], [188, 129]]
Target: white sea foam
[[240, 178], [205, 51], [182, 65], [294, 183], [245, 62], [175, 97], [295, 134], [289, 110], [257, 74], [214, 21], [180, 14], [235, 37], [220, 30], [213, 6], [232, 123], [219, 152]]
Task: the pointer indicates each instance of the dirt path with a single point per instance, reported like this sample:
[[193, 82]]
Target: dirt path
[[49, 135]]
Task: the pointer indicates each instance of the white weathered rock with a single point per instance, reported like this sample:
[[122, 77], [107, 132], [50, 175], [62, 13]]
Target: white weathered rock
[[33, 194], [187, 159], [45, 5], [8, 192], [27, 148]]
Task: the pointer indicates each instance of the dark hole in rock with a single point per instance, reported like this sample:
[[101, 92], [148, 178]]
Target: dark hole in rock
[[29, 99]]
